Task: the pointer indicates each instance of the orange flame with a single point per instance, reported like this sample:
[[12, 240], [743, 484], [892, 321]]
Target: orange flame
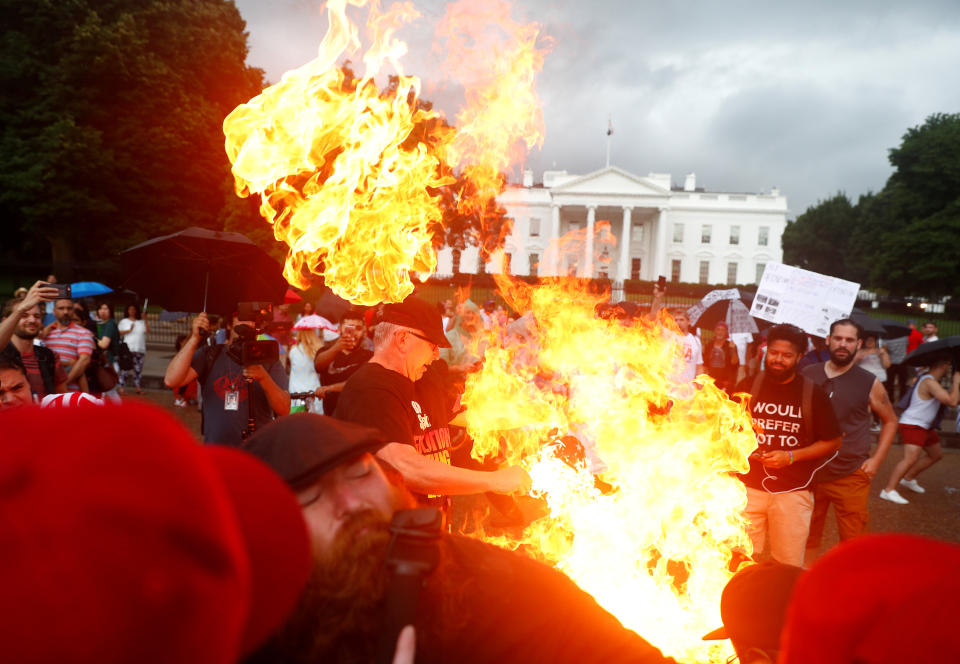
[[654, 551], [346, 172]]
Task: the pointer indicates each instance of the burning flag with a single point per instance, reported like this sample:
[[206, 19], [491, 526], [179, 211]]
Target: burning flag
[[347, 173], [652, 540]]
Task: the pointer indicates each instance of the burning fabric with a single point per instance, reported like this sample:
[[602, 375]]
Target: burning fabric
[[347, 174], [655, 549]]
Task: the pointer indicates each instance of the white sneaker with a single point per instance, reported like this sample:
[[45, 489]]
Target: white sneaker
[[894, 497], [913, 486]]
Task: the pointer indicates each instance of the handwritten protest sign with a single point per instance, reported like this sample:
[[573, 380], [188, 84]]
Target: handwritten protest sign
[[806, 299]]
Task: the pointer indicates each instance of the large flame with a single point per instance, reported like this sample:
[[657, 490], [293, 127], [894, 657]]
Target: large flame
[[656, 549], [347, 173]]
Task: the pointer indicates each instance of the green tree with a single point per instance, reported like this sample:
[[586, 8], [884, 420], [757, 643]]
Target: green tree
[[819, 239], [918, 231], [111, 118]]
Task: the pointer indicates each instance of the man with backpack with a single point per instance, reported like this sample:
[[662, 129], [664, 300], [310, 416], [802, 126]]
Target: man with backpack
[[229, 389], [798, 436], [855, 393], [924, 408]]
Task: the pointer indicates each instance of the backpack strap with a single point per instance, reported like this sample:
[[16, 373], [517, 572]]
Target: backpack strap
[[806, 407]]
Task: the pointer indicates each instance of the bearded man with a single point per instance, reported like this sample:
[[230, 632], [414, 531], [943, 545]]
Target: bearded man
[[22, 322], [481, 603], [854, 392], [798, 437]]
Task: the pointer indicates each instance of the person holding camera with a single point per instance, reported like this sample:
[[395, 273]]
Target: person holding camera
[[235, 392], [341, 358], [22, 323]]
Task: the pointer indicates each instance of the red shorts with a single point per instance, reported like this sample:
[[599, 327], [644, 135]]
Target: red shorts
[[911, 434]]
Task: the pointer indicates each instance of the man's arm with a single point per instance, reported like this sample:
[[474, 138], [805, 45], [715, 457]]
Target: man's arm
[[935, 391], [781, 458], [425, 475], [880, 404], [325, 356], [179, 372], [78, 367]]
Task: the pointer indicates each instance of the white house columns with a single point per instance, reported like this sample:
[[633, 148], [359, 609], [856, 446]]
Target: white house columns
[[660, 255], [555, 235], [588, 251], [624, 262]]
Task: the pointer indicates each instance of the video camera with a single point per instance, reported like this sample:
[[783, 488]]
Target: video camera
[[245, 350]]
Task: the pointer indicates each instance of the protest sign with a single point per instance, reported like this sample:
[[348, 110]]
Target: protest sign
[[806, 299]]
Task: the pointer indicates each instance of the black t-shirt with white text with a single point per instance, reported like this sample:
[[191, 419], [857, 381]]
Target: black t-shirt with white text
[[403, 411], [777, 409], [340, 369]]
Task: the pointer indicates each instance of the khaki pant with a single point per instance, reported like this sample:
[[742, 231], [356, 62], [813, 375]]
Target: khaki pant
[[786, 516], [849, 496]]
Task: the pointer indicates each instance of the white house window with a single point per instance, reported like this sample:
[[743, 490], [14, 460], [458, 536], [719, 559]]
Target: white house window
[[731, 273], [534, 264], [704, 272], [706, 233], [675, 270], [763, 238], [507, 262], [636, 233], [760, 268], [635, 264], [678, 232], [534, 226], [734, 235]]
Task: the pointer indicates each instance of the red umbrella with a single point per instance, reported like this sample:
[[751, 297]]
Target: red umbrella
[[291, 297]]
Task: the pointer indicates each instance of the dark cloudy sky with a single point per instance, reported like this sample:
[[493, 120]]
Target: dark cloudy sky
[[806, 96]]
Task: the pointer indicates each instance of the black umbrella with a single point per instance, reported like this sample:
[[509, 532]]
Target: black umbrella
[[200, 270], [894, 329], [922, 354], [870, 326]]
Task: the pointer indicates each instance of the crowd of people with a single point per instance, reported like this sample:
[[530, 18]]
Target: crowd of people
[[355, 418]]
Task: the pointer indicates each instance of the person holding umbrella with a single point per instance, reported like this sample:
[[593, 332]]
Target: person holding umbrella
[[918, 427], [229, 390]]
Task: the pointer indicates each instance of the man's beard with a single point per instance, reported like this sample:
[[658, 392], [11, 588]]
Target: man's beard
[[23, 334], [65, 321], [339, 615], [841, 361], [779, 374]]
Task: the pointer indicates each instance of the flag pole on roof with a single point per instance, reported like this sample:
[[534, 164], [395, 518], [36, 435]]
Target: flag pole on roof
[[609, 134]]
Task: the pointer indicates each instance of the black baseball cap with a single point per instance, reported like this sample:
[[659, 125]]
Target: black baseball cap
[[419, 315], [753, 605], [304, 446]]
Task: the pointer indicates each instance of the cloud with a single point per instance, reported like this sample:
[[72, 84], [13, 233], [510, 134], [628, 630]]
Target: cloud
[[808, 97]]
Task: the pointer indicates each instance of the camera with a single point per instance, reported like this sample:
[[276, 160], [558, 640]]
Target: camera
[[245, 349]]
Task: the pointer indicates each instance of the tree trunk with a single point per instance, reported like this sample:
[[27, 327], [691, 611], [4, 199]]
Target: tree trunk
[[61, 253]]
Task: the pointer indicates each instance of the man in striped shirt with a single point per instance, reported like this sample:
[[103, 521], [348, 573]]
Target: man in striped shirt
[[72, 343]]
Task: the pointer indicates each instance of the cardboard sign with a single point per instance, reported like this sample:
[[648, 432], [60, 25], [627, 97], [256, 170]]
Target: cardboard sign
[[806, 299]]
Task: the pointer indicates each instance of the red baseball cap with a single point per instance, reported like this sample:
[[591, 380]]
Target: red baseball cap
[[877, 599], [123, 540]]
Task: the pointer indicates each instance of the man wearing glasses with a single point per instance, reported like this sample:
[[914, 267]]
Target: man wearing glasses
[[385, 394]]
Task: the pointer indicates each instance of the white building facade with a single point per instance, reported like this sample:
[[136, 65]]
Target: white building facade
[[614, 224]]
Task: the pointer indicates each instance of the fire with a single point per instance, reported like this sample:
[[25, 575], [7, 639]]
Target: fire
[[347, 173], [655, 549]]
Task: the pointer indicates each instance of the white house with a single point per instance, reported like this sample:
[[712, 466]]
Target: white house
[[611, 223]]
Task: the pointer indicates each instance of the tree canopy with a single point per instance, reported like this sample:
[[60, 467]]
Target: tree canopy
[[902, 239], [111, 119]]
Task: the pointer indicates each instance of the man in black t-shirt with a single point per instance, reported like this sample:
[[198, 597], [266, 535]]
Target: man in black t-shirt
[[341, 358], [387, 393], [800, 436]]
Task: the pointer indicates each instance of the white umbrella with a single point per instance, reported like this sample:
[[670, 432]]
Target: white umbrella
[[315, 322]]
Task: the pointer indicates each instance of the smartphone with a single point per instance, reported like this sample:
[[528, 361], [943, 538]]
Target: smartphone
[[63, 291]]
